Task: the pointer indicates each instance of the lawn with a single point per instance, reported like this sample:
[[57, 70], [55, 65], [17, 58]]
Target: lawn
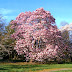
[[64, 71], [33, 67]]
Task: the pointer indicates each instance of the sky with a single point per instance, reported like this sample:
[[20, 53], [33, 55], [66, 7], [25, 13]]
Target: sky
[[60, 9]]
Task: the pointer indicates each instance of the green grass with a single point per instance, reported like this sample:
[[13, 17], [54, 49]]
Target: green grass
[[31, 67], [64, 71]]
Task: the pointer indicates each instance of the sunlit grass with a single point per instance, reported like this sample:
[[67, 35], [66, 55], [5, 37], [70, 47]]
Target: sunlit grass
[[64, 71], [30, 67]]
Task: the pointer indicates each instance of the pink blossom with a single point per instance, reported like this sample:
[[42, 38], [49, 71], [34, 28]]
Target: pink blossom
[[36, 28]]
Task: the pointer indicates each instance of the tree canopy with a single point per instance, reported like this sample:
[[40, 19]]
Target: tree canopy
[[37, 37]]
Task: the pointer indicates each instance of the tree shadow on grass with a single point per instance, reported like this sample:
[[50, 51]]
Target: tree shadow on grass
[[19, 68], [3, 69], [24, 66]]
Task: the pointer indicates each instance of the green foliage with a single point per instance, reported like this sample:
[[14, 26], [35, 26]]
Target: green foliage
[[7, 42]]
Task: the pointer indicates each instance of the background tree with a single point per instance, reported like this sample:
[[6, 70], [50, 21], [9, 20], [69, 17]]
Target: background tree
[[63, 23], [66, 32], [2, 25], [7, 43]]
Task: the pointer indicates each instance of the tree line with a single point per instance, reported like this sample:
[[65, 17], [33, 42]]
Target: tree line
[[32, 36]]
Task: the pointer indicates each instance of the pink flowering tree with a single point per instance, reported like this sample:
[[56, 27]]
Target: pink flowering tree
[[37, 36]]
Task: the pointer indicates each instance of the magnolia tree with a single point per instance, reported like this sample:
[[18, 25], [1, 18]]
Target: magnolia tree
[[37, 36]]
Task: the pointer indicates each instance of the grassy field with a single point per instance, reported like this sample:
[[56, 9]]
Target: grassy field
[[33, 67], [64, 71]]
